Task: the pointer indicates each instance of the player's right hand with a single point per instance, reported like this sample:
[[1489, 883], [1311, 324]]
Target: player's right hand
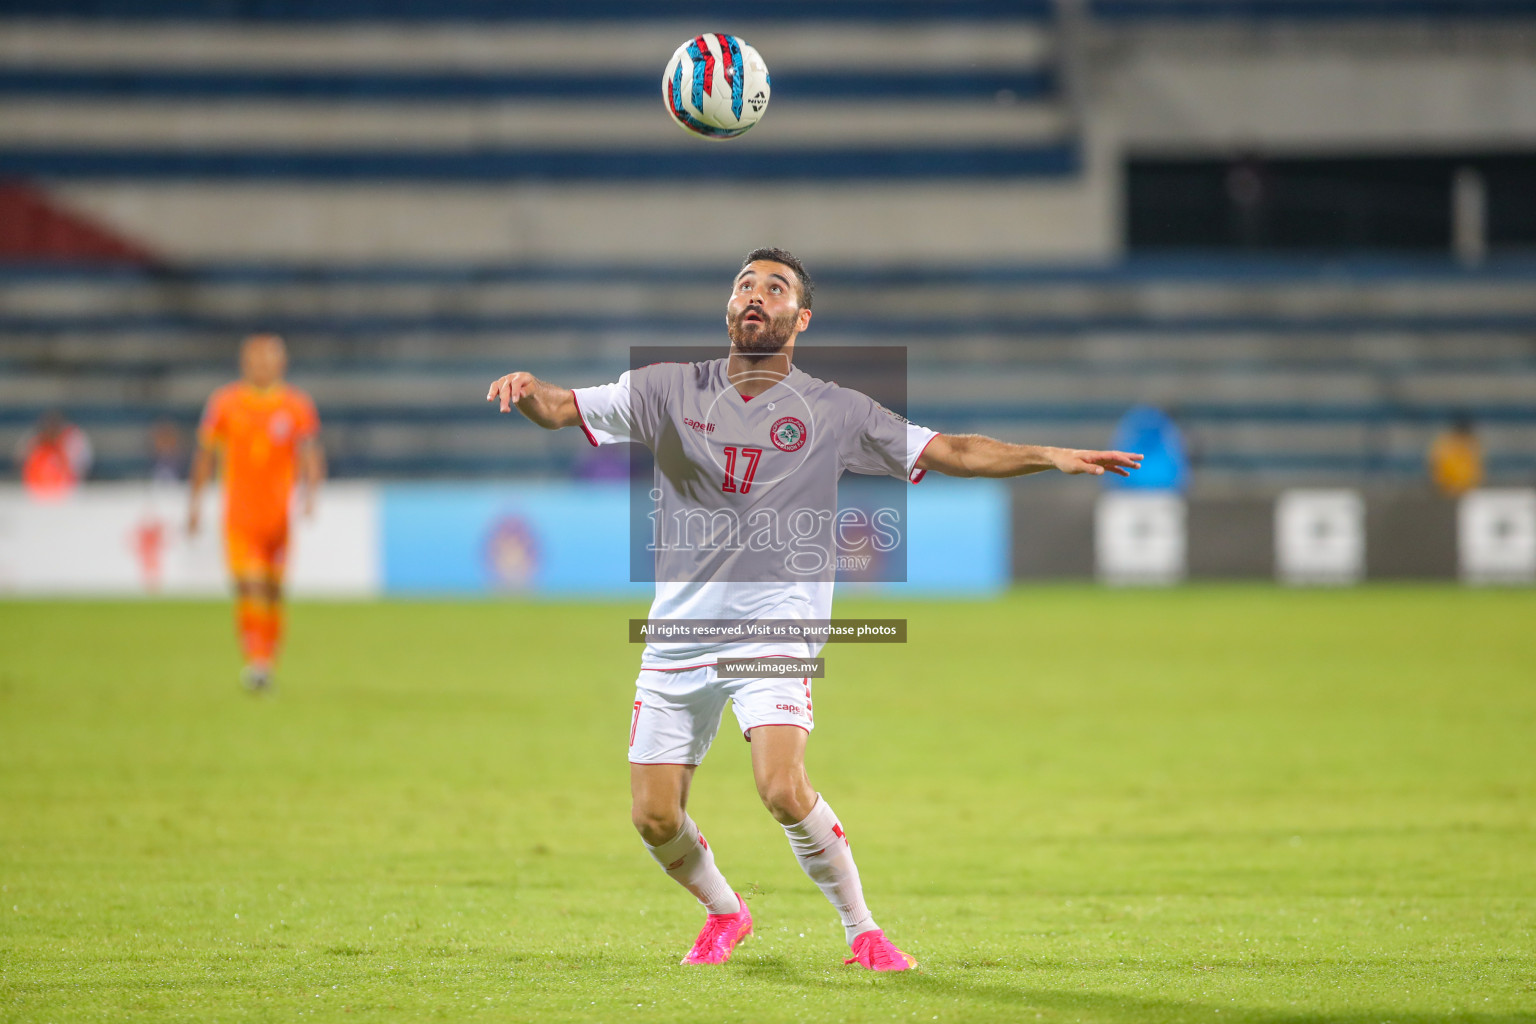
[[511, 389]]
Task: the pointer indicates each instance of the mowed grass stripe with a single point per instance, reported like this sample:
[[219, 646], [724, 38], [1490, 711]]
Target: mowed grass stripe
[[1226, 803]]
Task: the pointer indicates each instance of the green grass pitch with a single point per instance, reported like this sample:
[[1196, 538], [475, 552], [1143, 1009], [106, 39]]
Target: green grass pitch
[[1207, 804]]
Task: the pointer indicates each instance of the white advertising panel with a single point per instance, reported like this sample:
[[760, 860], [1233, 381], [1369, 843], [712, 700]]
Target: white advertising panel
[[1139, 538], [1320, 537], [130, 540], [1496, 536]]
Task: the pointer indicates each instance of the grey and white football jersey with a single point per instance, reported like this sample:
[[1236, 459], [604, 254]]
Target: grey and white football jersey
[[745, 490]]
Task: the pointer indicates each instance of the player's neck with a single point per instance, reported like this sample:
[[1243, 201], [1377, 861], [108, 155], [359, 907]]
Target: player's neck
[[752, 374], [264, 389]]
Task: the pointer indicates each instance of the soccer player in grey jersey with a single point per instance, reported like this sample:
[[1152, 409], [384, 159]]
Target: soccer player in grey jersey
[[748, 452]]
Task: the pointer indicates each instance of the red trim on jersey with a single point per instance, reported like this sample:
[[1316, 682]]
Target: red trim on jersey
[[745, 398], [583, 420], [634, 723], [679, 764], [917, 474]]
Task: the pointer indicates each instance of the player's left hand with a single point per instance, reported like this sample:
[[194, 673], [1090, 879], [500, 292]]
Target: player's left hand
[[1076, 460], [511, 389]]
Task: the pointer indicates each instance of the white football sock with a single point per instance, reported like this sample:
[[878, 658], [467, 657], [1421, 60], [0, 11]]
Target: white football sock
[[686, 857], [822, 850]]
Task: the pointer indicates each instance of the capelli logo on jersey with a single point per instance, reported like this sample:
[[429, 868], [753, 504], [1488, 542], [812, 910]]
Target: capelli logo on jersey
[[794, 709], [705, 428]]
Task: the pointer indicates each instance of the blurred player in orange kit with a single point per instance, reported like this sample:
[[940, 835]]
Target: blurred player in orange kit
[[268, 435]]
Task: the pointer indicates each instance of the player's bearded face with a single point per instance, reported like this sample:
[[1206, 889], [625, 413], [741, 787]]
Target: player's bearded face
[[752, 329]]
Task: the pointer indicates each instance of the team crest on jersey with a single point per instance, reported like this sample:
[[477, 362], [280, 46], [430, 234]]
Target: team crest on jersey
[[280, 426], [788, 434]]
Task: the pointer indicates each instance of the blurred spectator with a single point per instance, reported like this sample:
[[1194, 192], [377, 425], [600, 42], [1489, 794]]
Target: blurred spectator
[[1248, 196], [54, 457], [1456, 459], [1165, 466], [168, 460]]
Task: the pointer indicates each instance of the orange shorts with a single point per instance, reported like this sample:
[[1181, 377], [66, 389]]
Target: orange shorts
[[259, 553]]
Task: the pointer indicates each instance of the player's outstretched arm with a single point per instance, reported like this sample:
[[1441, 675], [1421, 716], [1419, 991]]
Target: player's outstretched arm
[[976, 455], [549, 406]]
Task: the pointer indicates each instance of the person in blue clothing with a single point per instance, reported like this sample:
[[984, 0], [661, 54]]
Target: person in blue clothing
[[1151, 431]]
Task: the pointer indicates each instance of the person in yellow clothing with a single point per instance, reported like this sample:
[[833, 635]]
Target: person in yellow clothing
[[1456, 459]]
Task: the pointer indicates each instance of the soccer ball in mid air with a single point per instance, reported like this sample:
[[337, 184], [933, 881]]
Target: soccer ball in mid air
[[716, 86]]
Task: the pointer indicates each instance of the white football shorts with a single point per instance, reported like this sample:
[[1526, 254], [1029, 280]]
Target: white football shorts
[[677, 713]]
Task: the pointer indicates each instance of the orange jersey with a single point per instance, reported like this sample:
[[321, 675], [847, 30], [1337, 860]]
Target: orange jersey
[[258, 430], [1456, 463]]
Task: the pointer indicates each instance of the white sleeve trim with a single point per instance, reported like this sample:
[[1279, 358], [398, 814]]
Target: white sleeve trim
[[918, 439], [604, 412]]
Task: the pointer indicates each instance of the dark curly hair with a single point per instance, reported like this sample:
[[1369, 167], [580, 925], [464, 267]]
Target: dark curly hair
[[784, 256]]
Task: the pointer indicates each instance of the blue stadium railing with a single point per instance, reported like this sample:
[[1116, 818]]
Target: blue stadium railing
[[1308, 10], [495, 165], [923, 327], [1168, 267], [523, 10], [946, 417], [393, 87], [784, 10]]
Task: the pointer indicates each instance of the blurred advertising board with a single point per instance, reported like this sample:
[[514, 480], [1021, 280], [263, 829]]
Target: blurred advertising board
[[130, 539], [572, 539], [1497, 536], [484, 538], [1320, 537], [1139, 538]]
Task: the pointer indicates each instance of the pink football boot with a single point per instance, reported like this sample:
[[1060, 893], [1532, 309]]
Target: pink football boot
[[874, 950], [720, 935]]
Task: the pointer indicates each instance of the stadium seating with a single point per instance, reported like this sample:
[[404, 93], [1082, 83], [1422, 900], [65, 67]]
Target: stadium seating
[[477, 132], [1280, 373], [424, 196]]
